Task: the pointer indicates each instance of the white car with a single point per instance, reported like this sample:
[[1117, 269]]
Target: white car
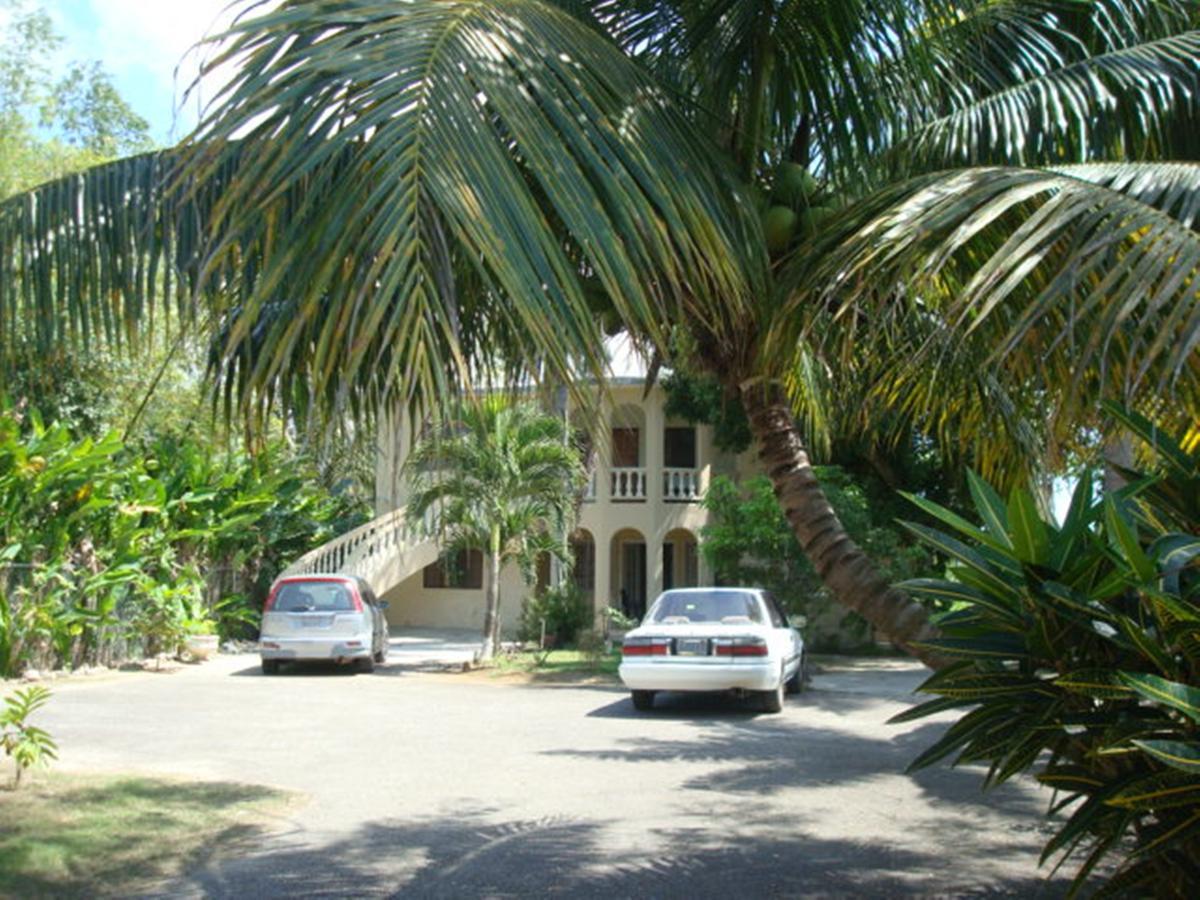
[[333, 617], [714, 639]]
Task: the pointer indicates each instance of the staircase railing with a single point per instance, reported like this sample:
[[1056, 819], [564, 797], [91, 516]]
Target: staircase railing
[[384, 551]]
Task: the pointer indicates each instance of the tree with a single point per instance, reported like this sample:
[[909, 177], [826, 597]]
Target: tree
[[498, 475], [52, 125], [968, 213], [748, 541]]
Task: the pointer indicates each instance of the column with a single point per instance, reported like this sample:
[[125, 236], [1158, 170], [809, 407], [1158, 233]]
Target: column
[[602, 587]]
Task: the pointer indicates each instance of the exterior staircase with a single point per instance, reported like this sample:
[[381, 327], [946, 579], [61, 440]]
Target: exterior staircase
[[384, 551]]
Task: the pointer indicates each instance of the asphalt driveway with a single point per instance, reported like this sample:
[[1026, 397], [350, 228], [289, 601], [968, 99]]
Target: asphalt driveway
[[430, 785]]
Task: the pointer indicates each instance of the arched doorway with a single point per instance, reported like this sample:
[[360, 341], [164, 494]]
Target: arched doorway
[[583, 551], [680, 560], [629, 572]]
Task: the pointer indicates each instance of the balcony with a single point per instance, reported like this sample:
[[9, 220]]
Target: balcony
[[681, 485], [631, 485], [628, 485]]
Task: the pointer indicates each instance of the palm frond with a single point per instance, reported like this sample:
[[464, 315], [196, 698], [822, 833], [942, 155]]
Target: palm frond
[[474, 128], [387, 198], [1062, 285], [1116, 101]]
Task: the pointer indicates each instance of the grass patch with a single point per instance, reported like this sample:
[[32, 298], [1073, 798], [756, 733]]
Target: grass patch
[[558, 662], [86, 836]]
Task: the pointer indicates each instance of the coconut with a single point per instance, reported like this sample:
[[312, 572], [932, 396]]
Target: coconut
[[794, 184], [779, 224]]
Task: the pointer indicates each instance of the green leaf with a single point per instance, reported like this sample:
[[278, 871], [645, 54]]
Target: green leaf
[[1163, 790], [1076, 779], [957, 522], [1178, 696], [993, 646], [1176, 754], [1099, 683], [1074, 529], [1147, 644], [1078, 602], [1165, 446], [1123, 533], [928, 708], [1030, 536], [984, 686], [976, 562], [957, 592], [1174, 551], [973, 724], [990, 507]]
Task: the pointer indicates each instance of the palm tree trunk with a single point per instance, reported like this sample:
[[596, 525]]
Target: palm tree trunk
[[491, 618], [848, 573]]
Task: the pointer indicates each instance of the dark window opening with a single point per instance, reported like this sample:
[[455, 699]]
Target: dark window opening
[[679, 448], [463, 569]]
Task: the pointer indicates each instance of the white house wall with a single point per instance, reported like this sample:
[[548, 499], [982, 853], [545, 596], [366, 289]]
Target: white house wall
[[412, 605]]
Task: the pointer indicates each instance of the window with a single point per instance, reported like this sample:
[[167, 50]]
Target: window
[[679, 448], [778, 619], [314, 596], [625, 448], [463, 570], [674, 607]]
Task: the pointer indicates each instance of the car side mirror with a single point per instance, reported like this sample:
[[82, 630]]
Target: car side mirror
[[798, 621]]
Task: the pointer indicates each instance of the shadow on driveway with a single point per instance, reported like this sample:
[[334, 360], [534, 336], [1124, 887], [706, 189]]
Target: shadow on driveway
[[468, 855]]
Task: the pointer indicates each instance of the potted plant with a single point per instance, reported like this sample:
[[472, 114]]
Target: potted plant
[[200, 638]]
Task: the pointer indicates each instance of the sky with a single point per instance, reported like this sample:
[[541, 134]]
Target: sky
[[141, 43]]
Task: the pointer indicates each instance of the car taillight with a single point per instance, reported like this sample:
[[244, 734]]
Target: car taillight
[[645, 646], [748, 646]]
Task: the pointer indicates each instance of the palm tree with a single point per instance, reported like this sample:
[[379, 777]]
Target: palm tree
[[388, 197], [500, 476]]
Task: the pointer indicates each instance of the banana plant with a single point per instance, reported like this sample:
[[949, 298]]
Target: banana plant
[[1075, 653]]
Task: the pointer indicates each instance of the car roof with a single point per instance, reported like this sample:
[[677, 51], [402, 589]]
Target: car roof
[[713, 590]]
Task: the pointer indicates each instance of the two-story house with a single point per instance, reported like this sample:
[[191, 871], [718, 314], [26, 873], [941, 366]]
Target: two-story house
[[638, 525]]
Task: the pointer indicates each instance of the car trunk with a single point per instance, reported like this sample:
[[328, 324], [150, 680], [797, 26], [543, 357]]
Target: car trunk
[[312, 624], [698, 643]]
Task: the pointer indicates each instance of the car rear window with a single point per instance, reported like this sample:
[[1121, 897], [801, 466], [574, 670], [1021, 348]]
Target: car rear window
[[316, 596], [701, 606]]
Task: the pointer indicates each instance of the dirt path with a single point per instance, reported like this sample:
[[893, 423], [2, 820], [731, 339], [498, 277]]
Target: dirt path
[[434, 785]]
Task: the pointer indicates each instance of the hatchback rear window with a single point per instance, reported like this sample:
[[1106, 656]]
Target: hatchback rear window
[[316, 596], [706, 606]]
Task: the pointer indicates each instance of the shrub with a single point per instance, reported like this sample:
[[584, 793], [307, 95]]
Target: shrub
[[1077, 648], [102, 541], [561, 609]]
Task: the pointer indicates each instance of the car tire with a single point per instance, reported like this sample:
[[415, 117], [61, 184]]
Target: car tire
[[365, 664], [270, 666], [643, 700], [795, 684], [772, 701]]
